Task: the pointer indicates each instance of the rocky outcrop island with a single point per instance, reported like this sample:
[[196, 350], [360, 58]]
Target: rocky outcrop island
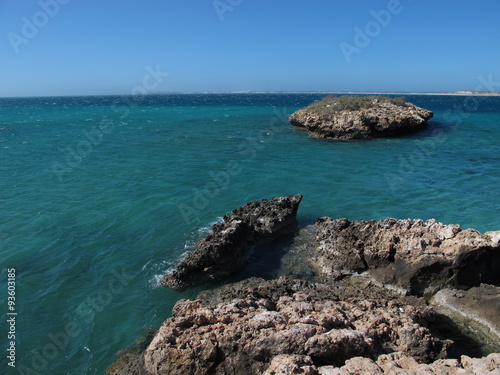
[[387, 297], [360, 117]]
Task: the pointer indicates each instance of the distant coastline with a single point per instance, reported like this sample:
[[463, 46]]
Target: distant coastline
[[399, 93], [457, 93]]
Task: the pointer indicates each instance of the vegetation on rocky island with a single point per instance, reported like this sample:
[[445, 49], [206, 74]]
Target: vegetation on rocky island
[[332, 103]]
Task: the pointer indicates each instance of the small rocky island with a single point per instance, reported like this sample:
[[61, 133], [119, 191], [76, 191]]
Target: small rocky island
[[360, 117], [387, 297]]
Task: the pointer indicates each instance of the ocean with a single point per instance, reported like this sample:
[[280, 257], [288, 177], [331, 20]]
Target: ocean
[[100, 196]]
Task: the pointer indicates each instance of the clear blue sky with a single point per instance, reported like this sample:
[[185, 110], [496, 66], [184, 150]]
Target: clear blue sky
[[90, 47]]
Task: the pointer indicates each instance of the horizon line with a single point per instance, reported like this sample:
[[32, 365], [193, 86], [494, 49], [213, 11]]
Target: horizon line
[[459, 92]]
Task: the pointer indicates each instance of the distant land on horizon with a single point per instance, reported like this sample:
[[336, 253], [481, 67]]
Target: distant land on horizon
[[461, 92], [458, 93]]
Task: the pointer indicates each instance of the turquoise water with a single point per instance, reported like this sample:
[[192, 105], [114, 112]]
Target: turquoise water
[[100, 196]]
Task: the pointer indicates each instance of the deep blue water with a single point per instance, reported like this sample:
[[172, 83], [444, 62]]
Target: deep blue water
[[100, 196]]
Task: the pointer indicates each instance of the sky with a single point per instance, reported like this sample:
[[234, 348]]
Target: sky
[[91, 47]]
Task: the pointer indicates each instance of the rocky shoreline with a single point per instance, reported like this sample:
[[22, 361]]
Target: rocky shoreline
[[360, 117], [379, 291]]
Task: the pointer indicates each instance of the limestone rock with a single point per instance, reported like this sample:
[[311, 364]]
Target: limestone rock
[[390, 364], [415, 256], [285, 364], [308, 325], [376, 117], [326, 327]]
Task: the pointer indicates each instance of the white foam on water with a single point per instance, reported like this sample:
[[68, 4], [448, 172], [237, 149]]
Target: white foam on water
[[164, 267]]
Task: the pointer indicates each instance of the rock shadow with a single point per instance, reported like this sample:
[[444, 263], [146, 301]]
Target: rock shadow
[[264, 261], [464, 342]]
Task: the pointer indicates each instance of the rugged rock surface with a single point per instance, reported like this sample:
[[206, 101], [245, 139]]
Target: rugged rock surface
[[415, 256], [476, 309], [226, 249], [353, 326], [241, 328], [394, 364], [382, 118]]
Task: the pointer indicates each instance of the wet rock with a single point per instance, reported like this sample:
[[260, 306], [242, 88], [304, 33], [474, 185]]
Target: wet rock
[[414, 256], [302, 247], [226, 249], [475, 309]]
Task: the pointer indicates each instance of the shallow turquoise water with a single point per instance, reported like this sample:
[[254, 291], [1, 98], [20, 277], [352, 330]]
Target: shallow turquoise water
[[92, 218]]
